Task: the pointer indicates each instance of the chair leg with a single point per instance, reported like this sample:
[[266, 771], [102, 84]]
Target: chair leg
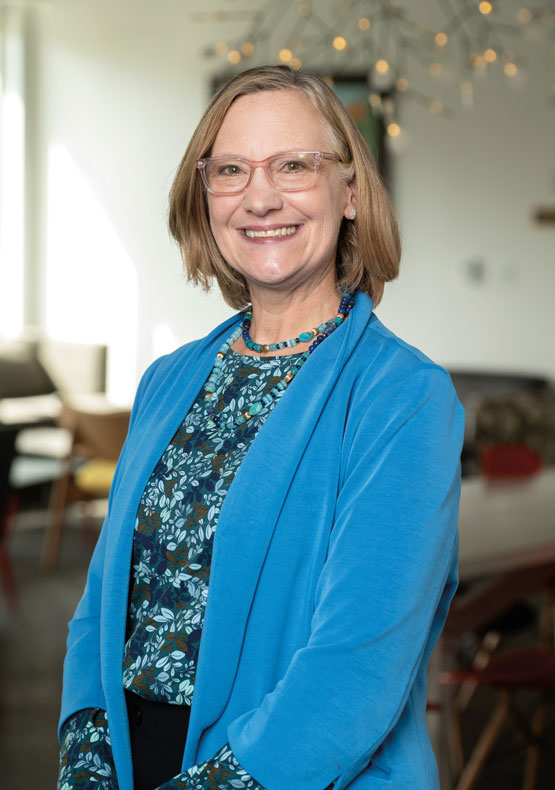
[[463, 698], [485, 743], [539, 722], [6, 569], [54, 528]]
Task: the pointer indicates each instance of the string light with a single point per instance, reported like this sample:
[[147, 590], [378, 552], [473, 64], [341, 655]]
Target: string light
[[393, 129], [311, 38], [485, 7], [525, 16], [247, 49]]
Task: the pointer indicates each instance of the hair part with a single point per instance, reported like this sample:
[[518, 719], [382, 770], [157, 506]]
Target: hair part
[[368, 249]]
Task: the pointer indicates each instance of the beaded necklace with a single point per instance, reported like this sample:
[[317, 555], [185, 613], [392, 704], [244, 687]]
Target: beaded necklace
[[318, 334]]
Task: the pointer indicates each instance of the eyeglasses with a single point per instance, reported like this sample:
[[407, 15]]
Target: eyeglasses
[[288, 172]]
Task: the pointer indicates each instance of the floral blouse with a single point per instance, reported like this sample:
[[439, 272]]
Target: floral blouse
[[172, 550]]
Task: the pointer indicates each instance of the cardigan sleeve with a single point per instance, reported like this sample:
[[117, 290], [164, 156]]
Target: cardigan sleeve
[[82, 686], [390, 571]]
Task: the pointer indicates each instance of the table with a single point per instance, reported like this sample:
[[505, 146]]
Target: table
[[506, 525]]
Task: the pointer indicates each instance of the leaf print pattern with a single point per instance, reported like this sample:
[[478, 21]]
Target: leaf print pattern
[[222, 772], [86, 755], [174, 531]]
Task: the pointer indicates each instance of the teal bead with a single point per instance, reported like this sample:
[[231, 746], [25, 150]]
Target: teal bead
[[275, 392], [273, 346], [281, 385], [267, 399], [240, 419], [257, 347], [256, 408], [304, 337], [337, 320], [291, 343]]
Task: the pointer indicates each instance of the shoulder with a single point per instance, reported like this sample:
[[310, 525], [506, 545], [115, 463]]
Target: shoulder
[[392, 377], [382, 356]]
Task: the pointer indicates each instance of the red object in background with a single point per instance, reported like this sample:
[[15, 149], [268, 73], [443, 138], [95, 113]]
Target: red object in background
[[509, 461]]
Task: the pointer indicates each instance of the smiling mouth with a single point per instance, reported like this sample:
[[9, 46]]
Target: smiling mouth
[[287, 230]]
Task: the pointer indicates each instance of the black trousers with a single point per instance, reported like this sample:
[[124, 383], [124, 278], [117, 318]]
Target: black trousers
[[158, 732]]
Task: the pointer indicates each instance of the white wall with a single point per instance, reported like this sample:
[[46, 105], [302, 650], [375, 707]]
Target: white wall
[[121, 91], [121, 87], [466, 189]]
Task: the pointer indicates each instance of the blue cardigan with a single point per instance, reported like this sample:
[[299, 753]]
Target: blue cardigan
[[333, 567]]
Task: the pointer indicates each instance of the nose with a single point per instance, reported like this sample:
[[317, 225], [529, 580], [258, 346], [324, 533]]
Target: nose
[[261, 196]]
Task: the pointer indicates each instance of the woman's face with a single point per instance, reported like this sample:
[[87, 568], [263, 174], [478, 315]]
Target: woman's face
[[258, 126]]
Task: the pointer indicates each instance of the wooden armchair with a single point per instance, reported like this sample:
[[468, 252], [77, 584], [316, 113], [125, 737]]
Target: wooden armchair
[[97, 439]]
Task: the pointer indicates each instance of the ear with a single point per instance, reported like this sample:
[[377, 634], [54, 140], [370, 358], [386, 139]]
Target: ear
[[351, 195]]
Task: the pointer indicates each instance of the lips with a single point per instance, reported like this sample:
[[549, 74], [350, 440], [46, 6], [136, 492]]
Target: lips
[[270, 233]]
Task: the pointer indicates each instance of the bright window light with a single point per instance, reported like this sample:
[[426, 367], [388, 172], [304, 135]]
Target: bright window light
[[91, 281]]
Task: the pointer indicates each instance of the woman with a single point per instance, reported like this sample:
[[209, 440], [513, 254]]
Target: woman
[[334, 550]]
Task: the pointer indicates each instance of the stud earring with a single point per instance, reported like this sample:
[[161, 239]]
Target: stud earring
[[353, 214]]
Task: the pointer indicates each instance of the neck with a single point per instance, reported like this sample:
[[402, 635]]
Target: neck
[[280, 315]]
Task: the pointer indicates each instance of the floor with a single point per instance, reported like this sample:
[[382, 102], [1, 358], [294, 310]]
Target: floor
[[31, 656]]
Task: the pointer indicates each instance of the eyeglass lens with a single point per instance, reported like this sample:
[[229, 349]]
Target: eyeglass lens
[[294, 171]]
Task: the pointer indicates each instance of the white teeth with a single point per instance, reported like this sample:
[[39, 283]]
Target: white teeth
[[263, 234]]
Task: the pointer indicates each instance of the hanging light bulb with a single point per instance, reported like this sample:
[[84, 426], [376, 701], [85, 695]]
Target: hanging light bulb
[[490, 55], [402, 84], [234, 56], [339, 43], [295, 63], [525, 16], [247, 48], [441, 39], [285, 55], [510, 69], [393, 129], [220, 48], [382, 66], [435, 69], [363, 23], [485, 8]]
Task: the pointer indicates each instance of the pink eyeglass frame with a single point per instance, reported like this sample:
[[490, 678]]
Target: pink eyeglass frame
[[319, 156]]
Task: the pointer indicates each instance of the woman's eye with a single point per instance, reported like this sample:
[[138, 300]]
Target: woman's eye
[[229, 170], [294, 166]]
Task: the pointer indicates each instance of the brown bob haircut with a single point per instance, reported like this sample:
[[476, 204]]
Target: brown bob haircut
[[368, 249]]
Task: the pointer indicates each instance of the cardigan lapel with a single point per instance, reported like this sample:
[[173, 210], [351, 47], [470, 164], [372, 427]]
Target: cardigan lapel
[[156, 422], [249, 516]]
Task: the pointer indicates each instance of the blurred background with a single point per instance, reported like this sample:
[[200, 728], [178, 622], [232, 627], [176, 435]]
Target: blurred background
[[456, 99]]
